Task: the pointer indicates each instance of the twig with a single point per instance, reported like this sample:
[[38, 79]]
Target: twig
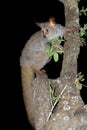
[[55, 103]]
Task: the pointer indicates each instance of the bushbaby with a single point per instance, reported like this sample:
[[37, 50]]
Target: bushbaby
[[34, 57]]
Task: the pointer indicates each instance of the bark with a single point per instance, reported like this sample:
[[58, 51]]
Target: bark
[[41, 100], [70, 112]]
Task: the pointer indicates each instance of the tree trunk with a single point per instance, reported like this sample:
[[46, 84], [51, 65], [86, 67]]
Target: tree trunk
[[70, 112]]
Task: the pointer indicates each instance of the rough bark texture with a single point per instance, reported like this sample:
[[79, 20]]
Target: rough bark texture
[[41, 100], [70, 113]]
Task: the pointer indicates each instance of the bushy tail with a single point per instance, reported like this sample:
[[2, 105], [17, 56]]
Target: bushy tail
[[27, 76]]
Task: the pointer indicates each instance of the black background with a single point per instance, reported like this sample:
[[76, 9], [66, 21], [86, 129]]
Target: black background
[[20, 22]]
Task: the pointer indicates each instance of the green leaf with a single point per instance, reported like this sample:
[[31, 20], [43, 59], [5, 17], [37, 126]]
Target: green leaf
[[47, 50], [56, 57], [78, 85], [53, 99], [50, 53], [51, 89], [49, 43]]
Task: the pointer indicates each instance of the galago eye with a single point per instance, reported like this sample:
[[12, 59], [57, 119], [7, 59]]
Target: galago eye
[[47, 30], [43, 31]]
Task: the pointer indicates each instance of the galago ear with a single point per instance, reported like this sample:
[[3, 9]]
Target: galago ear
[[39, 24], [52, 22]]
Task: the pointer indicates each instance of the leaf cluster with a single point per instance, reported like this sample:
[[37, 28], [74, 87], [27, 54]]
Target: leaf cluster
[[79, 78], [54, 49], [83, 11]]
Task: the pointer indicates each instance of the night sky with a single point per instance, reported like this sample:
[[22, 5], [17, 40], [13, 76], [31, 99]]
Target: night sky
[[22, 20]]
